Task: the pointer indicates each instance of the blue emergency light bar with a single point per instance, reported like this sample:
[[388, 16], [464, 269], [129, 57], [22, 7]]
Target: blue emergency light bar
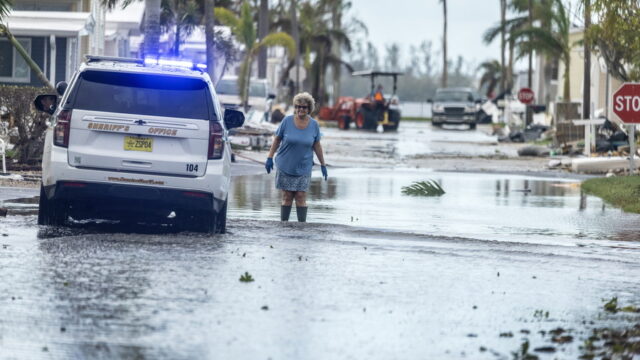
[[174, 62]]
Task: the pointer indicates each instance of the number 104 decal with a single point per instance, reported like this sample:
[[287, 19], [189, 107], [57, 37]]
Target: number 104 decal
[[192, 167]]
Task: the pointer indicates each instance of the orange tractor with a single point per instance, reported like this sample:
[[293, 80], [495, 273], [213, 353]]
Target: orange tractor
[[367, 113]]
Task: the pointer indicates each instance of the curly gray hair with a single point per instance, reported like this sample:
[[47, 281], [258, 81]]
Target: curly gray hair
[[305, 98]]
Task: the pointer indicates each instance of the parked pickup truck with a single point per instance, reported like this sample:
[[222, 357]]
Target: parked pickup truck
[[455, 106]]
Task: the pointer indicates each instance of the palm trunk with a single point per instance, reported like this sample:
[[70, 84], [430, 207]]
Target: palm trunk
[[176, 42], [337, 24], [566, 94], [503, 11], [445, 70], [530, 70], [510, 66], [296, 38], [263, 30], [34, 67], [586, 90], [209, 37], [151, 28]]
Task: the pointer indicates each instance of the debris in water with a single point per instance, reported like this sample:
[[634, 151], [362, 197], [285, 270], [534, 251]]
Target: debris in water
[[246, 277], [423, 188]]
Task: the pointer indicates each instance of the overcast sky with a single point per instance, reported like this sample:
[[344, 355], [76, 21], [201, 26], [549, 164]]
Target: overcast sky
[[409, 22]]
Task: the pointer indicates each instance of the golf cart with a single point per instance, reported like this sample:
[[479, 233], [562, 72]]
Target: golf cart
[[366, 113]]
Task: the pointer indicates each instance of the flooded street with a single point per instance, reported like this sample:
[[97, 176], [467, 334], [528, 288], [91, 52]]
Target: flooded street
[[498, 260]]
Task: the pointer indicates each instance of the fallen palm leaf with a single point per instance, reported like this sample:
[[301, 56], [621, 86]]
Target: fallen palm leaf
[[423, 188]]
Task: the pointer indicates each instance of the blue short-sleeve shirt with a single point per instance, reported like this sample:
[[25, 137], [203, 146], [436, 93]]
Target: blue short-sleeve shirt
[[295, 154]]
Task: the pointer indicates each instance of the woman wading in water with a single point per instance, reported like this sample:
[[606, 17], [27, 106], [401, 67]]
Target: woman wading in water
[[294, 143]]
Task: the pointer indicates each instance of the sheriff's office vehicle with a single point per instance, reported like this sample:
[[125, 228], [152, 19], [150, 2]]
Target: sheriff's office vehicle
[[134, 141]]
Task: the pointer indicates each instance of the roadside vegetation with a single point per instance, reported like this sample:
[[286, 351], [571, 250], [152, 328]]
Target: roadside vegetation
[[619, 191]]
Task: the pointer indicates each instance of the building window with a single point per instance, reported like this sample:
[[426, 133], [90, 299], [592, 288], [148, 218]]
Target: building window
[[13, 68]]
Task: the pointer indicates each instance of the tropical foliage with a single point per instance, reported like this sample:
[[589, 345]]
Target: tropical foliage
[[550, 35], [5, 6], [491, 75], [615, 36], [244, 28]]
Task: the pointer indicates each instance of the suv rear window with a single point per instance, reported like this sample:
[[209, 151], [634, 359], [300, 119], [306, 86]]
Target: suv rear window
[[230, 87], [143, 94]]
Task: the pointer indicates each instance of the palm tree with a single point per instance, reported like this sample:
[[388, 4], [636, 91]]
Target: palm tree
[[151, 25], [5, 8], [552, 40], [319, 38], [492, 71], [244, 29], [444, 45], [507, 29], [184, 15]]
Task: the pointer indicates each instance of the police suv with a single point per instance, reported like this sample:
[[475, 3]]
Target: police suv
[[137, 141]]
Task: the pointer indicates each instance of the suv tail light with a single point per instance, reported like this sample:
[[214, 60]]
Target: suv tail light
[[61, 130], [216, 144]]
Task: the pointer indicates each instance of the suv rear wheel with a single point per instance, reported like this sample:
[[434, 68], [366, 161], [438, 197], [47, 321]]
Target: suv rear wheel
[[51, 212], [221, 220]]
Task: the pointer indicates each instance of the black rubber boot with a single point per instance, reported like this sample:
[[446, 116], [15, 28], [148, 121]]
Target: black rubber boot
[[301, 211], [285, 211]]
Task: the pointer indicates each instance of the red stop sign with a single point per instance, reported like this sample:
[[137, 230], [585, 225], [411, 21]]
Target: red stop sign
[[525, 95], [626, 103]]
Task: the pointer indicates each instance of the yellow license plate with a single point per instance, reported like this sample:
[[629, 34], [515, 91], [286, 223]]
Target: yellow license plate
[[138, 143]]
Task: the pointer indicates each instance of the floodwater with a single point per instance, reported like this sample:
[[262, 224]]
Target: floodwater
[[496, 261]]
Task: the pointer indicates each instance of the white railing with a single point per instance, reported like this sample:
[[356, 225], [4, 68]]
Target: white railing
[[3, 148]]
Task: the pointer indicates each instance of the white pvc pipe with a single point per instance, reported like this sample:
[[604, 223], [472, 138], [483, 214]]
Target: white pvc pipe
[[4, 161]]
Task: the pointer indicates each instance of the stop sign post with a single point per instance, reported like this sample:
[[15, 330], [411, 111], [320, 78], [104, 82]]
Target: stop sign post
[[626, 104], [526, 96]]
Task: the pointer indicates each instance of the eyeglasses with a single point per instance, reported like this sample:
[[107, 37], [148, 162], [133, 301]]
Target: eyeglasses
[[301, 107]]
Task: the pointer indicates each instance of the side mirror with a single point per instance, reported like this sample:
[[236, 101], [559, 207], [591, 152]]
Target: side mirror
[[61, 87], [271, 96], [46, 103], [430, 101], [233, 118]]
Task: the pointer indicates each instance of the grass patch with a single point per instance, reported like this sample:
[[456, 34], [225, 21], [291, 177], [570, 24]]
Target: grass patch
[[415, 118], [619, 191]]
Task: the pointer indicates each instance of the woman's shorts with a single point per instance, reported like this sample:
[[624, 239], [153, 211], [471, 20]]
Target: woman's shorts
[[292, 183]]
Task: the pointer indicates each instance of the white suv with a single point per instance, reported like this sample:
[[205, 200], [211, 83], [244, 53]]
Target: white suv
[[137, 142], [260, 98]]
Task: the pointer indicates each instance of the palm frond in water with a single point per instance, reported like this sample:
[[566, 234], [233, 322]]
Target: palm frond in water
[[423, 188]]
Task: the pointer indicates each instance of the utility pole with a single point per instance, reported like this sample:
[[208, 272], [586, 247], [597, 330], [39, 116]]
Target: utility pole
[[586, 86]]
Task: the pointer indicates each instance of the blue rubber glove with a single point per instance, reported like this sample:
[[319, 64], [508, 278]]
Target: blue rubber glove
[[269, 165], [324, 172]]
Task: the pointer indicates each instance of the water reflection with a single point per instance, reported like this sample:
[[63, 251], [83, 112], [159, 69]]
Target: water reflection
[[483, 206]]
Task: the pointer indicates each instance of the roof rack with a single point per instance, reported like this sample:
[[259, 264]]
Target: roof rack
[[98, 58]]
